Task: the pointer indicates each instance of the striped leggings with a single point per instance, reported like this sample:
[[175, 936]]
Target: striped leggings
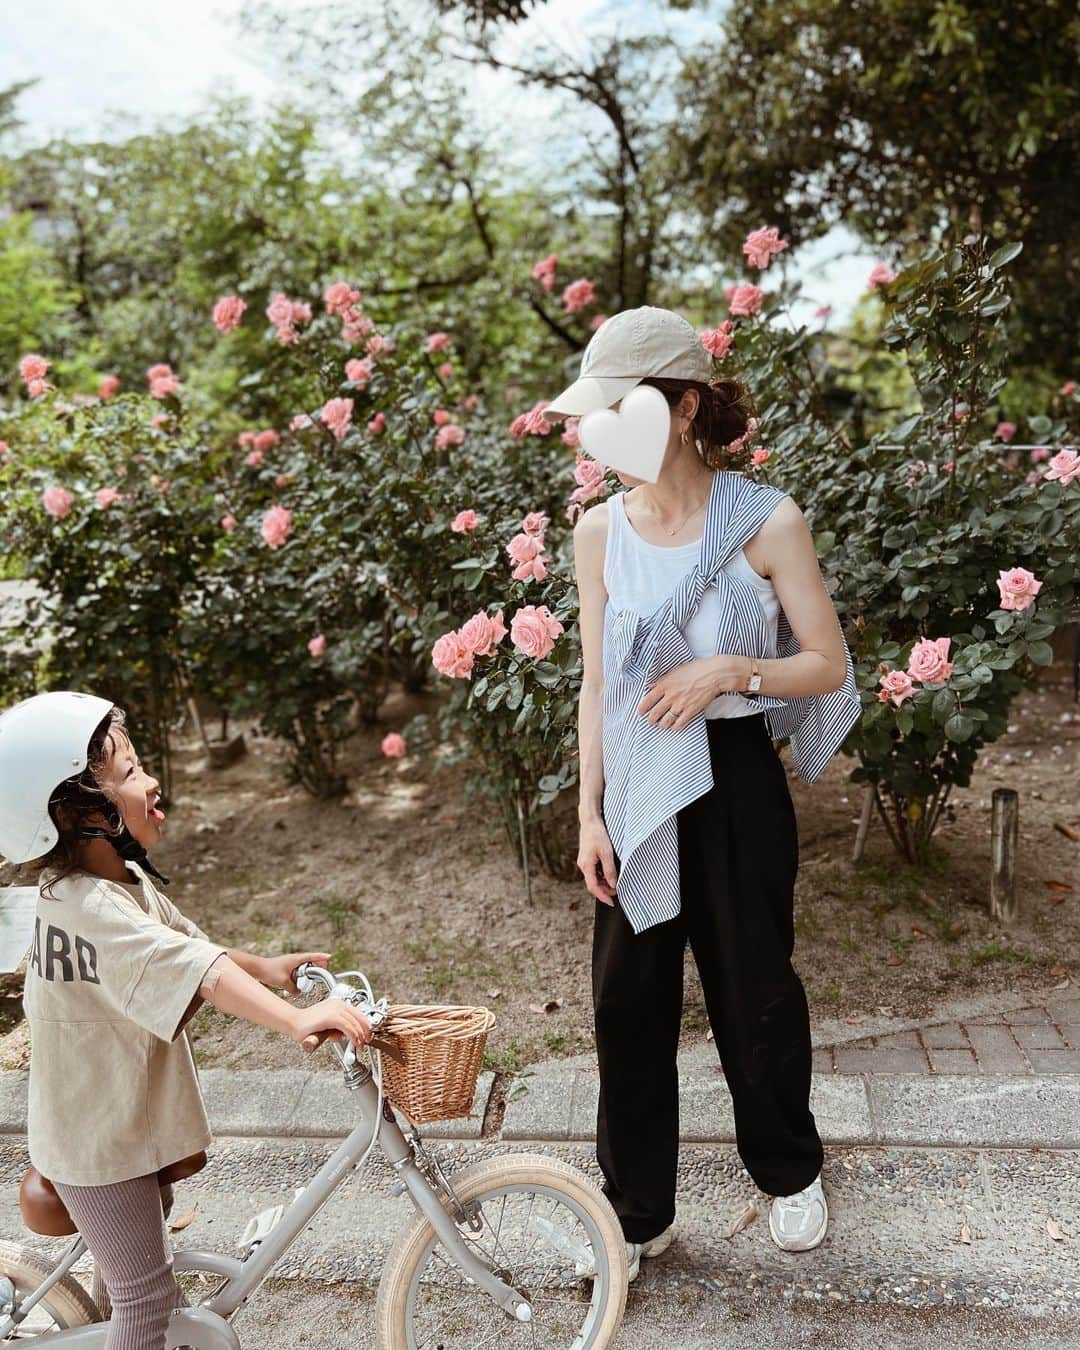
[[123, 1226]]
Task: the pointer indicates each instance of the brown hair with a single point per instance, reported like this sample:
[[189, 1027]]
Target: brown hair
[[723, 413], [80, 798]]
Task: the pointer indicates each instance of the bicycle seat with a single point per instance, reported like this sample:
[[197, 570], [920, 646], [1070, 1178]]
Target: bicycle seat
[[44, 1212]]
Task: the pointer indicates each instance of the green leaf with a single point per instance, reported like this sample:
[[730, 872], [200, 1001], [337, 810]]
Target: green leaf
[[1005, 254], [1041, 653], [959, 727]]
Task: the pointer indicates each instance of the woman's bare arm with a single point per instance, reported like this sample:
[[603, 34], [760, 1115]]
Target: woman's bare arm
[[595, 857], [590, 538], [791, 562]]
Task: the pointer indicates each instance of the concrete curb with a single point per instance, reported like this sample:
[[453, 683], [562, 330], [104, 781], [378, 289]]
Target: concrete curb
[[557, 1102]]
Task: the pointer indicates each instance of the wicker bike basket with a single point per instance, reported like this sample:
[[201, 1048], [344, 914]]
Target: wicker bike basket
[[433, 1059]]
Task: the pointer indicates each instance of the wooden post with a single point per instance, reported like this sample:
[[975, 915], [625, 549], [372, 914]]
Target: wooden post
[[1004, 821], [864, 822]]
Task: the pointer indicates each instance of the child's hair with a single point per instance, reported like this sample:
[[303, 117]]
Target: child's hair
[[80, 798], [723, 413]]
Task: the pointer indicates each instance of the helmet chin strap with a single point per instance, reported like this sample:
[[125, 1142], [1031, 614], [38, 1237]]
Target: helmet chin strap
[[128, 847]]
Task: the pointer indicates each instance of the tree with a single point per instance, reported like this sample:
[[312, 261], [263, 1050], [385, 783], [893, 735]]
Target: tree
[[902, 120]]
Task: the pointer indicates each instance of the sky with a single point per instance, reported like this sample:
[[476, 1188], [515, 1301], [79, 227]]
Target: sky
[[126, 65]]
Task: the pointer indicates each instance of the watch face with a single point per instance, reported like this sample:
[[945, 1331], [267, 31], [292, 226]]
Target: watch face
[[755, 683]]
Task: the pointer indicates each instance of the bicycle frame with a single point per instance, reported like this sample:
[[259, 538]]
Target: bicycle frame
[[208, 1328]]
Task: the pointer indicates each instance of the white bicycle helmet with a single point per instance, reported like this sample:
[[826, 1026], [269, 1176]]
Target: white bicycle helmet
[[43, 740]]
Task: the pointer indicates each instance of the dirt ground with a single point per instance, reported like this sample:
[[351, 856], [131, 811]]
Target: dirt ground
[[414, 884]]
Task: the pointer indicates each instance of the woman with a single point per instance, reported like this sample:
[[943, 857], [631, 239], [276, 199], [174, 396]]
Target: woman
[[707, 633]]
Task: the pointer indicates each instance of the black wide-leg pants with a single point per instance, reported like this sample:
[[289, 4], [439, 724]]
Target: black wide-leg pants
[[738, 856]]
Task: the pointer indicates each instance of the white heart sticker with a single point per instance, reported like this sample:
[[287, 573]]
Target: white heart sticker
[[632, 440]]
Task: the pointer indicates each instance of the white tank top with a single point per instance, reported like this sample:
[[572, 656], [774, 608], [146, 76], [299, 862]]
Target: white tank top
[[641, 576]]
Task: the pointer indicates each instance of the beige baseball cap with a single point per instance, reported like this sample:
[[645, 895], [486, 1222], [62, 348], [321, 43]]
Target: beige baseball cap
[[624, 350]]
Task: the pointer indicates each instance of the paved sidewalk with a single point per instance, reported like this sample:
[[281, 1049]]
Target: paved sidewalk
[[1041, 1039]]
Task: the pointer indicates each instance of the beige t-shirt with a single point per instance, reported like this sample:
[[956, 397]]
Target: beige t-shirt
[[111, 981]]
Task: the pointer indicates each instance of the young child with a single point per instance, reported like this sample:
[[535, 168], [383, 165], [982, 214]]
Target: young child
[[114, 975]]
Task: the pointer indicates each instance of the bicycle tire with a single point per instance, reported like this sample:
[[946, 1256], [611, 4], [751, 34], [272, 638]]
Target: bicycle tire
[[521, 1170], [67, 1302]]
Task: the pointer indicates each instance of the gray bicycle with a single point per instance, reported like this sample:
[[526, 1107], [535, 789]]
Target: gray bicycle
[[490, 1258]]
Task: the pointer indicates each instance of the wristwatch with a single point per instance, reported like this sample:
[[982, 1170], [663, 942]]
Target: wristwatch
[[754, 683]]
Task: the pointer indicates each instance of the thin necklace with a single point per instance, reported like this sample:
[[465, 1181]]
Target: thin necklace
[[683, 525]]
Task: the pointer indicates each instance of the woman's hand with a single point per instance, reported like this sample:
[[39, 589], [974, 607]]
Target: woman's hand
[[328, 1017], [596, 859], [677, 697], [277, 971]]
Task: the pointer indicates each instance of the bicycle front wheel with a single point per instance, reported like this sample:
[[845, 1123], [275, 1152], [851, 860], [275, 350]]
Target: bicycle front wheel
[[539, 1218], [67, 1304]]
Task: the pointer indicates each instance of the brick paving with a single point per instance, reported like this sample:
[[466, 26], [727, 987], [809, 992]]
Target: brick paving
[[1041, 1039]]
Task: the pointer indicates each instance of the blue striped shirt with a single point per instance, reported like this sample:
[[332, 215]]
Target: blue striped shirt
[[651, 772]]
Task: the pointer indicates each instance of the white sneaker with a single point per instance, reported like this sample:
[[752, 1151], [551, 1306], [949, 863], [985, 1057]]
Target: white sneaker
[[634, 1252], [798, 1222]]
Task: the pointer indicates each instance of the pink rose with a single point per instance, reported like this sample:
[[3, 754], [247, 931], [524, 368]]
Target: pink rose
[[108, 388], [246, 438], [377, 425], [746, 300], [470, 401], [283, 480], [948, 466], [451, 657], [437, 342], [357, 371], [524, 547], [591, 479], [1069, 388], [597, 321], [107, 497], [393, 745], [355, 326], [578, 295], [228, 524], [895, 687], [759, 456], [336, 415], [544, 271], [446, 370], [1018, 588], [1005, 431], [480, 634], [822, 311], [36, 388], [33, 367], [163, 380], [717, 341], [761, 245], [340, 297], [57, 501], [277, 526], [317, 645], [449, 435], [300, 422], [377, 345], [929, 660], [570, 435], [254, 459], [534, 569], [881, 274], [464, 521], [533, 631], [266, 440], [299, 312], [1064, 467], [285, 315], [228, 311], [440, 417], [1039, 454], [536, 522]]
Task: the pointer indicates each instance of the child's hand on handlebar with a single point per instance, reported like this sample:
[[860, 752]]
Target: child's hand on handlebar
[[277, 972], [327, 1018]]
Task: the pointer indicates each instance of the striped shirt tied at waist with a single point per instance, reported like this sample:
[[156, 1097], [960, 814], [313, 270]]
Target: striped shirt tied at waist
[[651, 772]]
